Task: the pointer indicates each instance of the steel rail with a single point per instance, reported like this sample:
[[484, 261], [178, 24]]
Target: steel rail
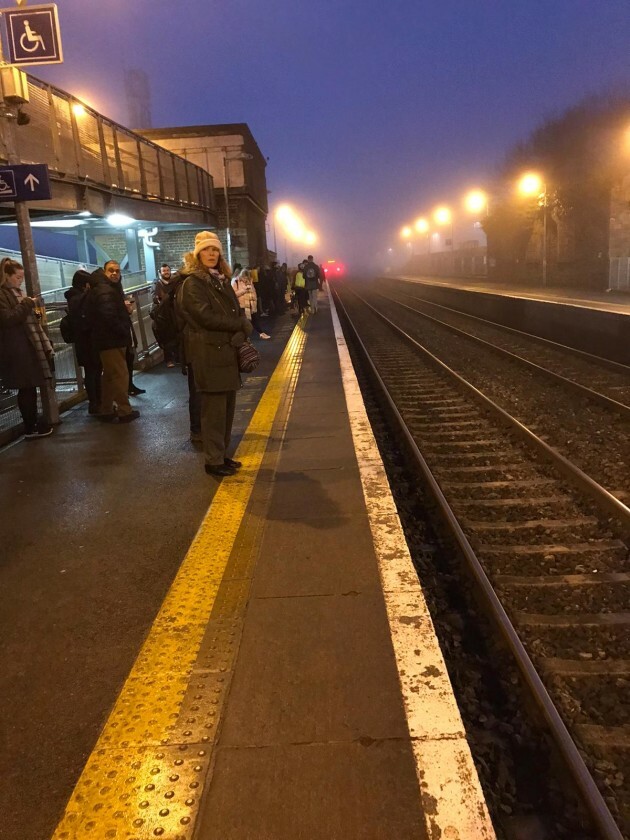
[[590, 793], [596, 397], [619, 367], [606, 500]]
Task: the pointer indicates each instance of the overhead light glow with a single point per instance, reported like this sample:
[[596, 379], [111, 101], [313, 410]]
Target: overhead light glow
[[442, 216], [405, 233], [476, 201], [78, 109], [119, 220], [293, 226], [60, 223], [530, 184], [422, 226]]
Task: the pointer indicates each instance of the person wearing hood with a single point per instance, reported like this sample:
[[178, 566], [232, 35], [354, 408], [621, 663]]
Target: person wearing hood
[[87, 357], [110, 325], [213, 328]]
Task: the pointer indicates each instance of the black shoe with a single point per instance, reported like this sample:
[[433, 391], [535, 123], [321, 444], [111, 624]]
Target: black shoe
[[128, 418], [39, 432], [219, 469], [133, 392], [230, 462]]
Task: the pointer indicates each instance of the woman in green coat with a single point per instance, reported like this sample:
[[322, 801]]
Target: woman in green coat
[[213, 328]]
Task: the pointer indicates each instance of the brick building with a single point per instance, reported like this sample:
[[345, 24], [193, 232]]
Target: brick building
[[231, 155]]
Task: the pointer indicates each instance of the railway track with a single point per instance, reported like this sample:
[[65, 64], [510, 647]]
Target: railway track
[[596, 378], [593, 436], [546, 542]]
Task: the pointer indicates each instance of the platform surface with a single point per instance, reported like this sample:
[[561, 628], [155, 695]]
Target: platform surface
[[273, 675], [613, 301]]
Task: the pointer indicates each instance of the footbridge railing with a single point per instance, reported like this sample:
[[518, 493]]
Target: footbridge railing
[[82, 146]]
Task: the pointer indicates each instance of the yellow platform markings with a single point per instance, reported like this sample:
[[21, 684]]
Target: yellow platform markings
[[145, 776]]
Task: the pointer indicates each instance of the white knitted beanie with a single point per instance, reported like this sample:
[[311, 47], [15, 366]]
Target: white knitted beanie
[[205, 239]]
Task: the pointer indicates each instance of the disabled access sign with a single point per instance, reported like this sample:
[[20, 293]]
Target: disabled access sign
[[33, 35], [24, 182]]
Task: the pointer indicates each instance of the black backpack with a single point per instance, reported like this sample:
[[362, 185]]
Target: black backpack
[[66, 328], [164, 321], [311, 273]]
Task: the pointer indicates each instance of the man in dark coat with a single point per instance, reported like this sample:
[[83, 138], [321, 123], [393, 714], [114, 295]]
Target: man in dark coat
[[312, 281], [87, 356], [110, 325]]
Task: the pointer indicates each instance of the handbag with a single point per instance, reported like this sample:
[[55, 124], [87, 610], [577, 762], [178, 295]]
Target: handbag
[[248, 357]]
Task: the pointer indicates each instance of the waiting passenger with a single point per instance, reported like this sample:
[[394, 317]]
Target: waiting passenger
[[26, 354], [310, 270], [165, 287], [213, 329], [87, 356], [298, 287], [132, 348], [110, 324], [247, 299]]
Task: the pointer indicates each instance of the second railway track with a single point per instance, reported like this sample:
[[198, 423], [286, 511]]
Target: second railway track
[[556, 555]]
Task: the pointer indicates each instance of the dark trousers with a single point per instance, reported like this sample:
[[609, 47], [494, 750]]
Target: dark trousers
[[131, 356], [92, 381], [255, 319], [194, 403], [302, 299], [217, 416], [27, 404]]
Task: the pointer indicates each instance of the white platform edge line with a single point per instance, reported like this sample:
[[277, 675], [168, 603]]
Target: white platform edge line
[[452, 798]]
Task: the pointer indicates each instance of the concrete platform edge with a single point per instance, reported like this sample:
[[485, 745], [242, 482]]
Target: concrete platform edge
[[452, 797]]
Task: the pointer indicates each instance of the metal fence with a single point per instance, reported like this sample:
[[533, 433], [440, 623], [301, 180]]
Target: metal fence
[[83, 146], [68, 375]]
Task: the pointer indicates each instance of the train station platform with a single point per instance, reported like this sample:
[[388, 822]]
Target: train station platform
[[251, 658], [613, 301]]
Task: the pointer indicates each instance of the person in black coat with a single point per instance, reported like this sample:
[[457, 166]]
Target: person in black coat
[[87, 356], [110, 326], [25, 352]]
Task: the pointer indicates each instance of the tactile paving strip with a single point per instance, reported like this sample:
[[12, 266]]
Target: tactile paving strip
[[145, 776]]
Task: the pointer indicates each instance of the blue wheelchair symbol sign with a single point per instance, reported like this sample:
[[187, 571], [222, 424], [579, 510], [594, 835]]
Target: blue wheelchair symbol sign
[[7, 185], [33, 35]]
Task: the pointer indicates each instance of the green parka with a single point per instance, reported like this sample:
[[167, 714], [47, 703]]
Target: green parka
[[213, 328]]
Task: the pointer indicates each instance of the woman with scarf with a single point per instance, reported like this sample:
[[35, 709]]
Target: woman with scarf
[[26, 354], [248, 300], [212, 329]]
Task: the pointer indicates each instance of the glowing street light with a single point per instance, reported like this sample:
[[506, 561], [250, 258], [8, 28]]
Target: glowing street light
[[442, 216], [476, 201], [405, 233], [532, 184], [78, 109], [422, 226]]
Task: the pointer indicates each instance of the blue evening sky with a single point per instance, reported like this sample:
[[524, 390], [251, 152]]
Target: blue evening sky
[[370, 112]]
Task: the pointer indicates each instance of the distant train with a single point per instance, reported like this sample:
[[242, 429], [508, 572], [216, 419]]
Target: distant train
[[334, 268]]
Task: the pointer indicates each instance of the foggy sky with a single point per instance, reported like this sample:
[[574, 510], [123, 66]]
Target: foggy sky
[[370, 112]]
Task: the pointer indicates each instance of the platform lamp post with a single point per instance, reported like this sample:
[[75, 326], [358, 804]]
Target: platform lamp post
[[531, 184], [405, 235], [226, 194], [443, 216], [422, 226]]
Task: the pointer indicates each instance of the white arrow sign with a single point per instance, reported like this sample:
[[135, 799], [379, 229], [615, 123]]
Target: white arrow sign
[[31, 181]]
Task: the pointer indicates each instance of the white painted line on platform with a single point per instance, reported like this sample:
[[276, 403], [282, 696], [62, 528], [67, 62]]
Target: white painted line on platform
[[452, 799]]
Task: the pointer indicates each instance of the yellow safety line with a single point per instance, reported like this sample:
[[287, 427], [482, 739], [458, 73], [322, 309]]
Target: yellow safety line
[[113, 786]]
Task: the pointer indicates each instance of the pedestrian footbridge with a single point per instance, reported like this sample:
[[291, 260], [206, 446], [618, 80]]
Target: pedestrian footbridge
[[99, 167]]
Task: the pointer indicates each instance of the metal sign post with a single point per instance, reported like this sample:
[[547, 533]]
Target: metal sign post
[[33, 38]]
